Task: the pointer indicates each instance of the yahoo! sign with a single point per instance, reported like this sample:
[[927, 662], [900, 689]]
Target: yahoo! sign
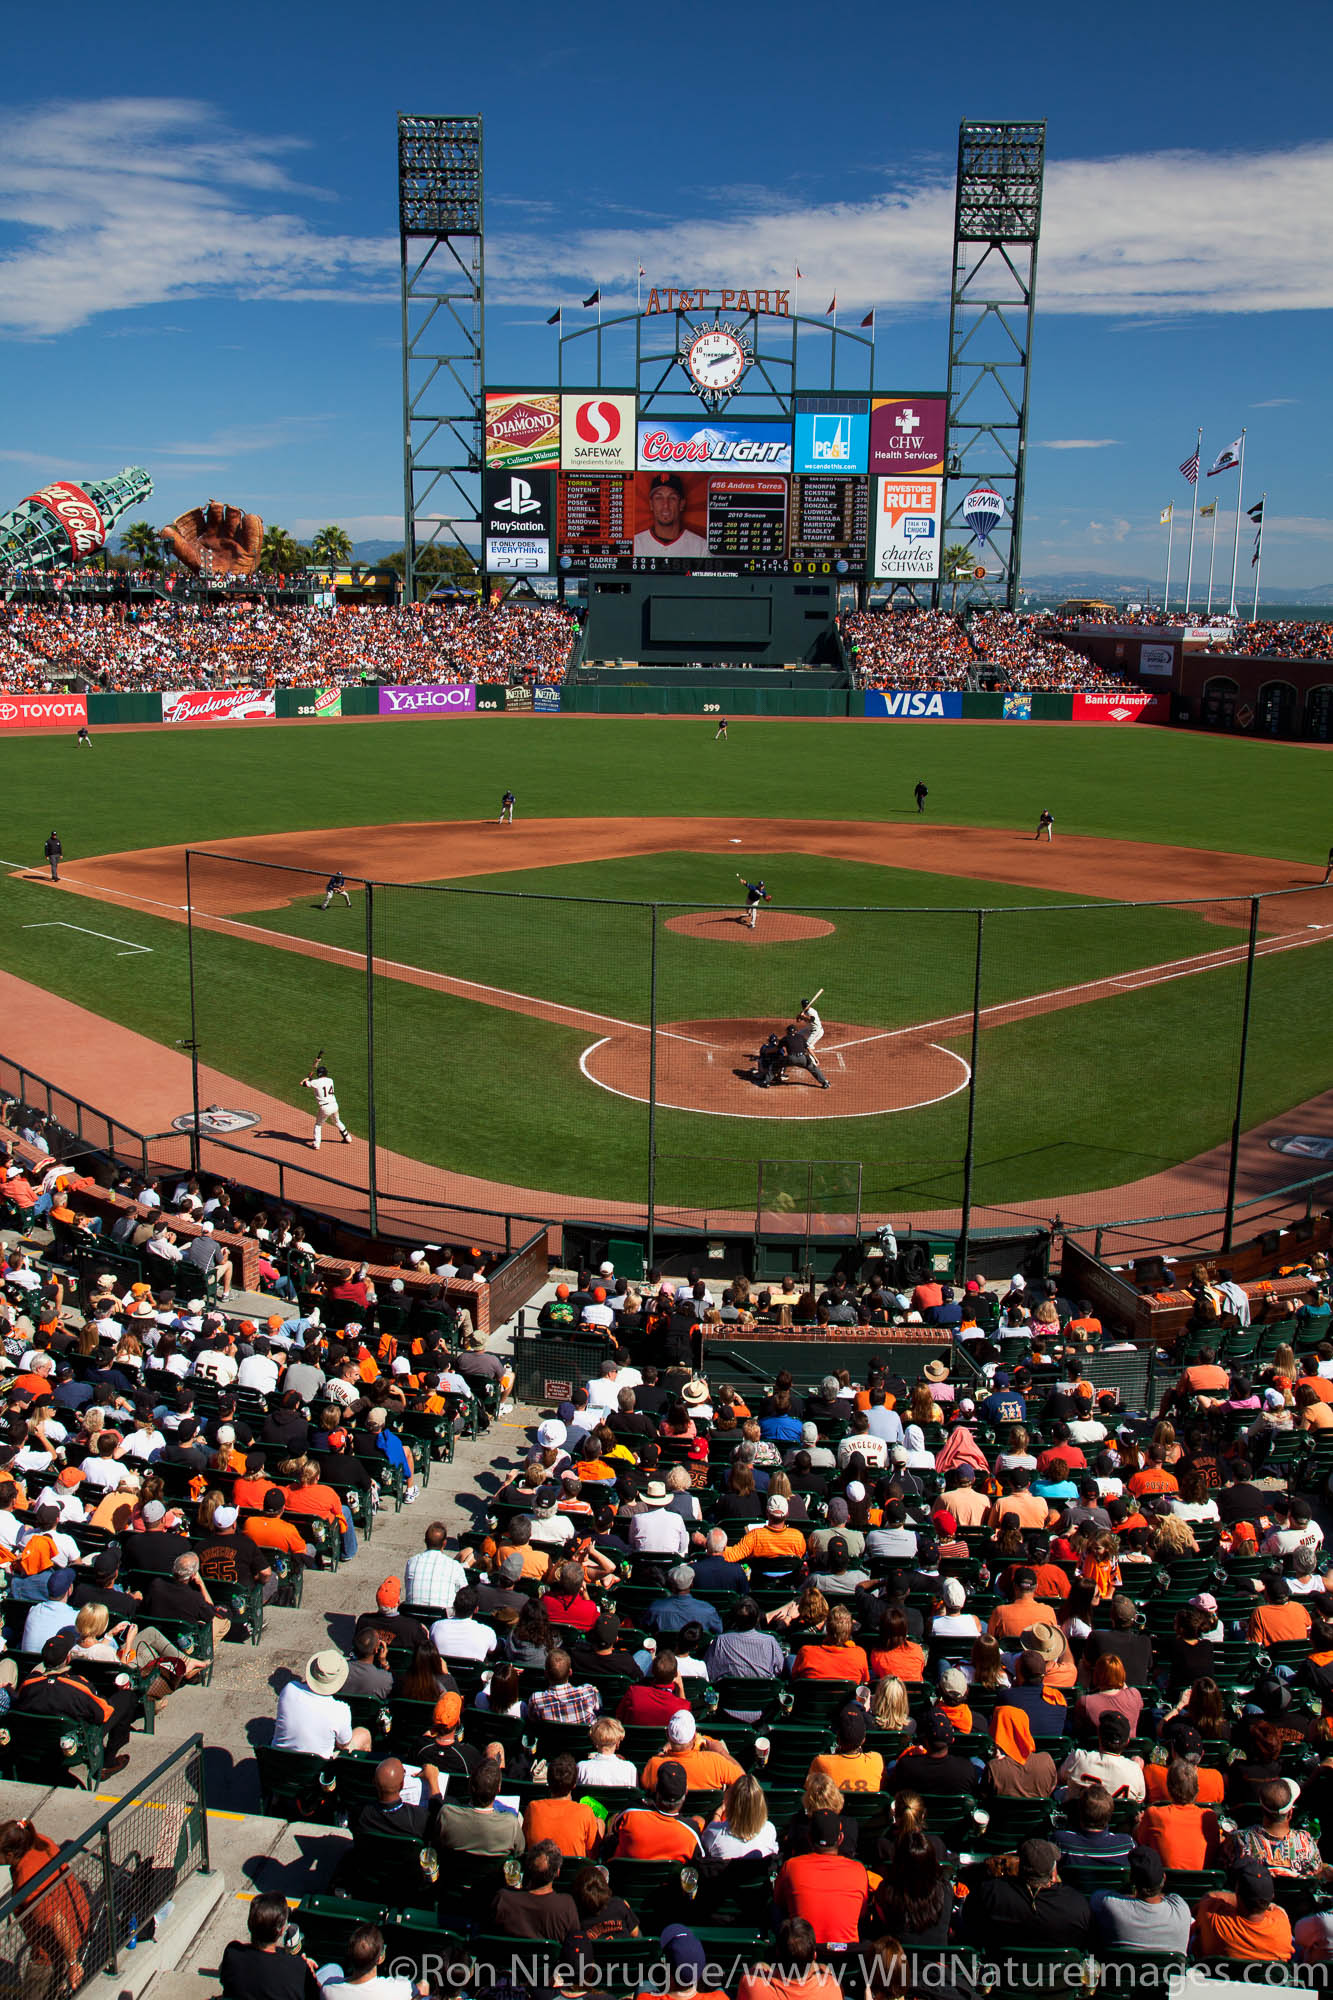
[[428, 700]]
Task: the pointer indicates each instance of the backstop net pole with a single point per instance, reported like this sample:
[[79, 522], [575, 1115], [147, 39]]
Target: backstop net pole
[[372, 1186], [965, 1229], [1233, 1165], [194, 1023], [652, 1088]]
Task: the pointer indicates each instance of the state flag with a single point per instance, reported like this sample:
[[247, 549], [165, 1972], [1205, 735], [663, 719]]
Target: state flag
[[1226, 461]]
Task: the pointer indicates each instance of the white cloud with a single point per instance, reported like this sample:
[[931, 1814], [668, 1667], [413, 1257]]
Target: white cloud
[[1072, 444], [1156, 235], [130, 202], [1275, 403]]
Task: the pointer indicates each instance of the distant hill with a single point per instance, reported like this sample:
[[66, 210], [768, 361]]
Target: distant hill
[[374, 552], [1128, 589]]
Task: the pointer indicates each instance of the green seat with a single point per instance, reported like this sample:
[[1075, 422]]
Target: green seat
[[50, 1749], [293, 1784]]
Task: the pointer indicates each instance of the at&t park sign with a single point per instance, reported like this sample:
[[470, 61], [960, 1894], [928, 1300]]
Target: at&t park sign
[[703, 298]]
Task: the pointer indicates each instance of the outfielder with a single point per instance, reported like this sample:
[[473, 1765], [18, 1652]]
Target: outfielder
[[326, 1104], [336, 886], [721, 729], [1046, 824], [796, 1044], [83, 741], [507, 804], [755, 894]]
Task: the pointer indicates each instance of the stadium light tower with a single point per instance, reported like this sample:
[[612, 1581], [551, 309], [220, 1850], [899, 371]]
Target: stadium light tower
[[442, 277], [997, 221]]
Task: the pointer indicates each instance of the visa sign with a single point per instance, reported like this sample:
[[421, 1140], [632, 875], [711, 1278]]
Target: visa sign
[[831, 442], [912, 705]]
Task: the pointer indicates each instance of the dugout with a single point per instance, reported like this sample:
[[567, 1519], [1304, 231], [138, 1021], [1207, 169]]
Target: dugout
[[743, 621]]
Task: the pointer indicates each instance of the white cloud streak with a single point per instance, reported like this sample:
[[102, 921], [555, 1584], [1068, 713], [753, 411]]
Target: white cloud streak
[[130, 202], [1072, 444], [117, 204]]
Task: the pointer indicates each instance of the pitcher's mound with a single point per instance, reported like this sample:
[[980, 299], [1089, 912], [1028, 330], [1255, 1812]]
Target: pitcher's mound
[[726, 927]]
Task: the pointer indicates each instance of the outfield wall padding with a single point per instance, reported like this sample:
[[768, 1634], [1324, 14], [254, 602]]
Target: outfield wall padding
[[710, 697]]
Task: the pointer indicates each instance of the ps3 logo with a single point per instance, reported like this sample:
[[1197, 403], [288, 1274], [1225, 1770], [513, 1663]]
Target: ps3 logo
[[522, 499]]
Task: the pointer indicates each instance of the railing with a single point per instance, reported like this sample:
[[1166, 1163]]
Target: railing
[[1273, 1198], [89, 1906]]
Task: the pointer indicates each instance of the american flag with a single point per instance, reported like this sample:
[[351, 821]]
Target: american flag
[[1191, 467]]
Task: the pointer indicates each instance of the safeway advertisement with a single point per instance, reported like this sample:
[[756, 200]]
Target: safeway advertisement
[[43, 711], [220, 705], [1125, 705]]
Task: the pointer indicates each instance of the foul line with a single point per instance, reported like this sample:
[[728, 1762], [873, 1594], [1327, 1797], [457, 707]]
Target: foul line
[[57, 925]]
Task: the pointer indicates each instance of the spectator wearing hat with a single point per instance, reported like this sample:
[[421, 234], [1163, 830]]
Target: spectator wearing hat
[[550, 1528], [1281, 1848], [707, 1765], [1033, 1908], [1017, 1769], [775, 1539], [58, 1687], [231, 1561], [441, 1743], [851, 1766], [1244, 1921], [656, 1529], [1107, 1765], [825, 1888], [939, 1771], [968, 1507], [479, 1827], [668, 1615], [598, 1652], [97, 1585], [51, 1614], [1148, 1918], [660, 1831], [185, 1596], [1132, 1647]]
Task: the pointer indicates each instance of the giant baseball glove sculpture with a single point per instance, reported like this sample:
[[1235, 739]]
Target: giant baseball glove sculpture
[[218, 538]]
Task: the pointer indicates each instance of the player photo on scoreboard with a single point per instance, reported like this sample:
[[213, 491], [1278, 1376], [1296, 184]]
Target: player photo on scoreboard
[[671, 515]]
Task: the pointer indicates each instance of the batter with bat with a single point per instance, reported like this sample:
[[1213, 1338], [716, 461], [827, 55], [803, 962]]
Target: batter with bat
[[755, 894], [326, 1102]]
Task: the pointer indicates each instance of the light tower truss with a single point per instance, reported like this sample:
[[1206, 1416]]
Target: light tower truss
[[442, 279], [997, 222]]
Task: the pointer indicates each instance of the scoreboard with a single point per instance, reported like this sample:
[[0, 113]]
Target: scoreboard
[[823, 492]]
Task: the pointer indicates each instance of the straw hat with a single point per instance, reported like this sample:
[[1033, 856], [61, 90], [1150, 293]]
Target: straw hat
[[695, 1391], [1046, 1640]]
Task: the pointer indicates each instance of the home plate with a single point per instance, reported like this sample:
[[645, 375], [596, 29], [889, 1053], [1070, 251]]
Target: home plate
[[735, 842]]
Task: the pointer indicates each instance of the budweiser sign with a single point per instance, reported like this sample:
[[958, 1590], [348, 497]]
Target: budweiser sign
[[43, 711], [76, 513], [220, 705]]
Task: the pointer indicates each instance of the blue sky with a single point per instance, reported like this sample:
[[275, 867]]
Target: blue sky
[[198, 251]]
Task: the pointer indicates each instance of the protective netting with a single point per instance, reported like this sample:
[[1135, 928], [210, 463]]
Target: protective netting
[[514, 1050]]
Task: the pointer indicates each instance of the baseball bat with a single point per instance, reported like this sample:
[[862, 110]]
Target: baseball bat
[[813, 997]]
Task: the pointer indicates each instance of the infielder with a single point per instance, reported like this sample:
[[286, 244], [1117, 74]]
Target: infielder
[[507, 804], [920, 792], [336, 886], [1046, 824], [721, 729], [796, 1044], [755, 894], [326, 1104]]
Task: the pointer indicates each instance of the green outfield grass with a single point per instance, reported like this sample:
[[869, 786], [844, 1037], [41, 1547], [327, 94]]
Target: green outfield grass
[[1070, 1100]]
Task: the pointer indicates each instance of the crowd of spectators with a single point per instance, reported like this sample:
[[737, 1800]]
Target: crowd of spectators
[[908, 649], [1265, 638], [935, 649], [957, 1655], [120, 648]]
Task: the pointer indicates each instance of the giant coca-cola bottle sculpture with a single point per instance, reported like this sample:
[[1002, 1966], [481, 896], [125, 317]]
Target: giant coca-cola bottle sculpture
[[64, 521]]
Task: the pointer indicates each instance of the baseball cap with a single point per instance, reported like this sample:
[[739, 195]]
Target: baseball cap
[[777, 1505], [672, 1783], [71, 1476], [154, 1511], [607, 1629], [1037, 1858], [106, 1562], [401, 1365], [1253, 1881], [447, 1711], [543, 1501], [390, 1593], [1147, 1870], [671, 479], [855, 1491], [953, 1684], [59, 1647], [851, 1723], [824, 1829], [683, 1952], [936, 1729], [225, 1517], [511, 1569], [681, 1729]]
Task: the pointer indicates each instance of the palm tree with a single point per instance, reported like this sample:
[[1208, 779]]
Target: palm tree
[[956, 567], [141, 540], [332, 545], [279, 551]]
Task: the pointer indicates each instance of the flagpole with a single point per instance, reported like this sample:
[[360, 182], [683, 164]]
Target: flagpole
[[638, 290], [1235, 545], [1258, 559], [1212, 551], [1194, 515], [1170, 531], [796, 292]]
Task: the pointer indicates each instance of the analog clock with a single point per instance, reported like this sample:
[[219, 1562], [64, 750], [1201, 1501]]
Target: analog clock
[[715, 359]]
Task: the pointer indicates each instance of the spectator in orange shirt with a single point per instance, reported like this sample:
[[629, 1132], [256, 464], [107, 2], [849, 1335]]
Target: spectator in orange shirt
[[657, 1832], [1184, 1833], [252, 1486], [705, 1762], [1319, 1384], [824, 1887], [851, 1766], [1203, 1380], [1018, 1503], [1010, 1621], [1280, 1617], [895, 1651], [575, 1828], [1245, 1920], [797, 1974], [774, 1539], [1154, 1477], [837, 1658], [269, 1530], [311, 1496]]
